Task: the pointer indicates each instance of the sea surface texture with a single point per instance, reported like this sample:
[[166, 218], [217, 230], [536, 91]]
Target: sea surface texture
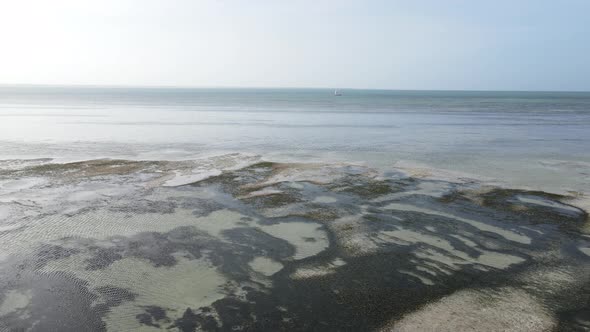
[[160, 209]]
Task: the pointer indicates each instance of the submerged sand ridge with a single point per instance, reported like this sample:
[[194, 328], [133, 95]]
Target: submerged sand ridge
[[233, 243]]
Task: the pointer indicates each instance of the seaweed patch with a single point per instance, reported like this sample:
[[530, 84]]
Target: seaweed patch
[[278, 246]]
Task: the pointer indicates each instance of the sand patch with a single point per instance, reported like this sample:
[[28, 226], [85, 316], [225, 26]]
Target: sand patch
[[14, 301], [325, 200], [509, 235], [5, 211], [261, 192], [585, 250], [469, 310], [309, 239], [424, 280], [102, 225], [456, 257], [547, 203], [265, 265], [181, 178], [316, 271], [10, 186], [187, 284]]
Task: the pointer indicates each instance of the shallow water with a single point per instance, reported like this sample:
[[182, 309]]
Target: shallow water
[[317, 247], [534, 139], [274, 210]]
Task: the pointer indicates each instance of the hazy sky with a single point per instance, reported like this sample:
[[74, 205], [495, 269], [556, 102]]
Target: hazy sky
[[413, 44]]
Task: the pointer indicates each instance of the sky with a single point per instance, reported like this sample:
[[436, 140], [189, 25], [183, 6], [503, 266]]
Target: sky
[[375, 44]]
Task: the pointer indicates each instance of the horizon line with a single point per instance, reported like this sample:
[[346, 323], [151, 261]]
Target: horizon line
[[195, 87]]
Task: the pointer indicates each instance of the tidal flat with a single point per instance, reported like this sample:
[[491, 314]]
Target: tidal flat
[[238, 243]]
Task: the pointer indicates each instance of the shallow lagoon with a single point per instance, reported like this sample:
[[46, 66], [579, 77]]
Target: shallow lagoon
[[149, 245], [380, 210]]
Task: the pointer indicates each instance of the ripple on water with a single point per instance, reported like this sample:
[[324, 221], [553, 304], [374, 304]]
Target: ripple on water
[[224, 246], [187, 284], [308, 238], [506, 310], [507, 234]]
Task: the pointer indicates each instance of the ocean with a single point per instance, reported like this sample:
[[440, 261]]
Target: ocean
[[525, 139], [168, 209]]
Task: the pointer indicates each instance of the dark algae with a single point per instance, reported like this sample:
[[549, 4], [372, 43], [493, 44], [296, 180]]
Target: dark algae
[[289, 247]]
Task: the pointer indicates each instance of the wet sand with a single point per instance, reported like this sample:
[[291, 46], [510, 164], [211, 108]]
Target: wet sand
[[235, 243]]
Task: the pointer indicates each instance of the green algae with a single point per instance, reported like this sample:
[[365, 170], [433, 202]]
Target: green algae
[[364, 188], [262, 164], [275, 200], [321, 214], [409, 250], [99, 167]]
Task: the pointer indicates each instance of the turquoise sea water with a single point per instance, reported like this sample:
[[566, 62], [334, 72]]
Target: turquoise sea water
[[535, 139]]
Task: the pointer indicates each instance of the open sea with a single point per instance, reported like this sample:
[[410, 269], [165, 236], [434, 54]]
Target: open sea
[[168, 209], [536, 139]]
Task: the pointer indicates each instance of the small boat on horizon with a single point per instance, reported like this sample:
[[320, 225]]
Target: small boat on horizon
[[337, 93]]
